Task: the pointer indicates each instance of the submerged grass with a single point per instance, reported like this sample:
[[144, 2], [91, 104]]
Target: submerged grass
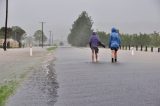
[[51, 48], [6, 90], [9, 87]]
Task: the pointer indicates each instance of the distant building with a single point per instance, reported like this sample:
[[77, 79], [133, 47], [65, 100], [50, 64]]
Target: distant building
[[10, 43]]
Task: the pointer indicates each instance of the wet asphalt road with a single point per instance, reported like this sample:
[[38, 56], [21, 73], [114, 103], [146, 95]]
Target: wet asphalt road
[[73, 80], [133, 81]]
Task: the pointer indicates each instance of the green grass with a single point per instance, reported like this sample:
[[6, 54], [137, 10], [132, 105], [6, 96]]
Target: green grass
[[6, 90], [51, 48]]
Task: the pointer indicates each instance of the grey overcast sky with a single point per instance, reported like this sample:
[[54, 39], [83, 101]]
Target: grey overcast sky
[[129, 16]]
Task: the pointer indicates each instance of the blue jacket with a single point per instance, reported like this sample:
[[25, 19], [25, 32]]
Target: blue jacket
[[114, 39]]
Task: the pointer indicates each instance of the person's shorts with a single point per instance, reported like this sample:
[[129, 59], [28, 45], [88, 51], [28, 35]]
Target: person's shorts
[[115, 49], [95, 49]]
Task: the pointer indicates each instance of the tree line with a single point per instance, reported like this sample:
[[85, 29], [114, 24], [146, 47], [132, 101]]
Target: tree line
[[15, 32], [18, 34], [82, 29], [144, 39]]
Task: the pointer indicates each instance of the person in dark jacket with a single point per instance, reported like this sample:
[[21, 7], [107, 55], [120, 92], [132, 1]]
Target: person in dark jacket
[[94, 42], [114, 43]]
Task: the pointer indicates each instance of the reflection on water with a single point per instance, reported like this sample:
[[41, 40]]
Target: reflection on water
[[51, 84]]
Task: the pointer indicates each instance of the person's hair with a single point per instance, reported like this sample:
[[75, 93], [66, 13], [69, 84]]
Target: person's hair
[[94, 33]]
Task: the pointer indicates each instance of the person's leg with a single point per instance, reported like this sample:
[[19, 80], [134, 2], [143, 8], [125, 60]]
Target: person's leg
[[116, 50], [113, 55], [96, 57], [92, 55], [96, 53], [116, 56]]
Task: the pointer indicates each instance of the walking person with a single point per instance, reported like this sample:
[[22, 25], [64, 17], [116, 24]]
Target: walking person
[[94, 42], [114, 43]]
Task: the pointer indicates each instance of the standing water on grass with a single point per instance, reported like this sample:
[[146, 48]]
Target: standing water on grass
[[40, 89]]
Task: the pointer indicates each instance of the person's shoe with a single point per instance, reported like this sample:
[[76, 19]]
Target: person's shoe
[[115, 60], [112, 60]]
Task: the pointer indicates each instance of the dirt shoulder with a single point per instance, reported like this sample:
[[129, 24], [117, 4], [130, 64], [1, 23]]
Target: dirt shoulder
[[16, 63], [40, 86]]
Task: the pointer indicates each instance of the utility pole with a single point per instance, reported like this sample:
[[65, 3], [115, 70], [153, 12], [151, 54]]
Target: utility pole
[[42, 33], [50, 32], [5, 34], [52, 39]]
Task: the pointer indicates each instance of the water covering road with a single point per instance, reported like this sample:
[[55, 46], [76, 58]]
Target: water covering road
[[133, 81], [75, 81]]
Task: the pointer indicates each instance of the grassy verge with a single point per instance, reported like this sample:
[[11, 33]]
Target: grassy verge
[[6, 90], [51, 48], [9, 85]]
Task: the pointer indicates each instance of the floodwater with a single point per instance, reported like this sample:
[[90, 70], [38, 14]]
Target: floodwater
[[71, 79], [40, 89], [133, 81]]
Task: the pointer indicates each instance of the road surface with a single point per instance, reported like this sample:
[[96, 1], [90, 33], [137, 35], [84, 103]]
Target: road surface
[[133, 81], [76, 81]]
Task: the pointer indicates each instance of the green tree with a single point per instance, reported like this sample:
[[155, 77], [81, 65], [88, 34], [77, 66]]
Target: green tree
[[29, 40], [17, 34], [9, 32], [38, 37], [125, 39], [104, 38], [81, 30], [155, 39], [135, 39]]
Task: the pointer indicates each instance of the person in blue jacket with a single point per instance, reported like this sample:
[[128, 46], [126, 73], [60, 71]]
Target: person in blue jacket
[[114, 43], [94, 42]]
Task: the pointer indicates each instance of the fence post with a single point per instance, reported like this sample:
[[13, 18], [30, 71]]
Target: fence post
[[141, 47], [129, 47], [30, 50], [132, 51], [146, 49], [151, 49], [136, 47], [120, 47]]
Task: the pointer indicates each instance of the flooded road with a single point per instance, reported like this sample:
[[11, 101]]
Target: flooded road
[[133, 81], [71, 79]]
